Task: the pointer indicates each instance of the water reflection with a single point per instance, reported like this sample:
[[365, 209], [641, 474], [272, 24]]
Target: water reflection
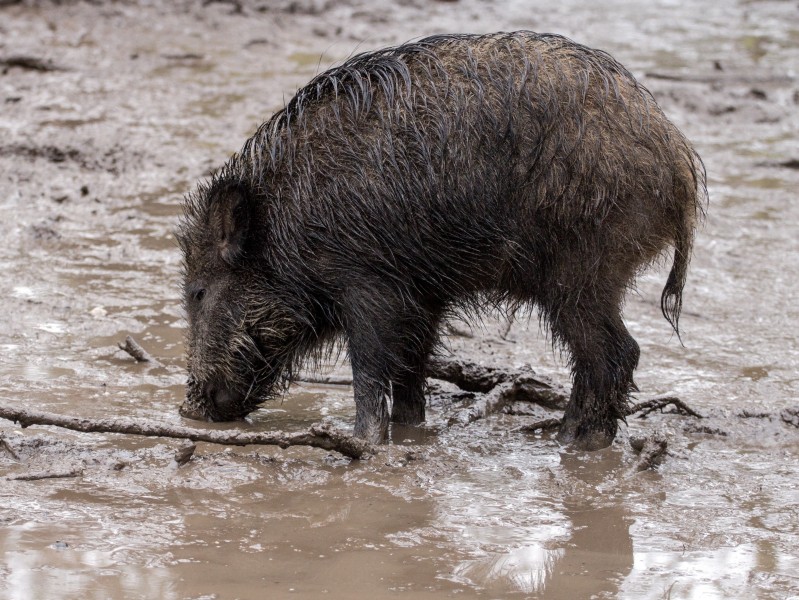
[[527, 541], [36, 566], [527, 569], [598, 556]]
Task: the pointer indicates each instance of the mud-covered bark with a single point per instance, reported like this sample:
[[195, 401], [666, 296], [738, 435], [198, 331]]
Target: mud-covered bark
[[322, 435], [467, 375]]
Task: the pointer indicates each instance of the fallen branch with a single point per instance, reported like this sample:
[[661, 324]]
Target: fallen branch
[[468, 376], [324, 379], [4, 444], [542, 425], [30, 63], [498, 388], [659, 403], [133, 348], [321, 435], [490, 403], [722, 79], [39, 475]]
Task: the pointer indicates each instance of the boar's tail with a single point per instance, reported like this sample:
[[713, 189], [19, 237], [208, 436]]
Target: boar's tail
[[691, 196], [671, 298]]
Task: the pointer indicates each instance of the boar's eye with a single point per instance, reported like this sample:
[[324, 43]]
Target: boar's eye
[[196, 293]]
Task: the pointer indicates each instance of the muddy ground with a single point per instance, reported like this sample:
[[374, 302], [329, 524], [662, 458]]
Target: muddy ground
[[110, 111]]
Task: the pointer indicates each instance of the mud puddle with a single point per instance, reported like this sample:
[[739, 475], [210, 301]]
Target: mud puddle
[[134, 102]]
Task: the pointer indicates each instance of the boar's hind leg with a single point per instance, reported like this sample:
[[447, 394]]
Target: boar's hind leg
[[603, 358]]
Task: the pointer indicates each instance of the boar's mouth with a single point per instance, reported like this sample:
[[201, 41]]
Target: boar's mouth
[[214, 401], [230, 395]]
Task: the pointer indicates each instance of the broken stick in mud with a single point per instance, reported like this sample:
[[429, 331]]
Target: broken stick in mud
[[135, 349], [321, 435], [498, 388], [39, 475]]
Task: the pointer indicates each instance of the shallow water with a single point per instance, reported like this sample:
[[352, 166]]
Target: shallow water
[[154, 98]]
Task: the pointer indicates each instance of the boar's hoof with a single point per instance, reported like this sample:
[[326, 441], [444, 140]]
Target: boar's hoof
[[587, 437]]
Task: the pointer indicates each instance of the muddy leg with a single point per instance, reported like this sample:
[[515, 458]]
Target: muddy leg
[[407, 394], [386, 343], [370, 385], [603, 357], [408, 383]]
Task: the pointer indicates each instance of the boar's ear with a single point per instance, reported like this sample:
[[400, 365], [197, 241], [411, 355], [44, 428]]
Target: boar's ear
[[229, 221]]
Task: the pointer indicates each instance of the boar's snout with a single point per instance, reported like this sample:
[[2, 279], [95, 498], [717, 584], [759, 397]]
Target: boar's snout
[[217, 402]]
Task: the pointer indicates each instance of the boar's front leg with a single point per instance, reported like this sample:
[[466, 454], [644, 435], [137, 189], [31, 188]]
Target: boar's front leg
[[408, 381], [371, 385], [388, 343]]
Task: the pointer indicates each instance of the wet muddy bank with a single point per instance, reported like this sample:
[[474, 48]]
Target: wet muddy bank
[[110, 112]]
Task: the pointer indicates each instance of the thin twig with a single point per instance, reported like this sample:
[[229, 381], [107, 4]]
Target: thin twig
[[321, 435], [4, 443], [542, 425], [659, 403], [747, 414], [29, 63], [39, 475], [133, 348], [324, 379], [723, 79]]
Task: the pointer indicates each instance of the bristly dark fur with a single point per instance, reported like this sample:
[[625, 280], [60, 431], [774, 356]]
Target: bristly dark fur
[[454, 173]]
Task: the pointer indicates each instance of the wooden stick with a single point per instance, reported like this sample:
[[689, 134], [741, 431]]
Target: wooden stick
[[133, 348], [659, 403], [324, 379], [321, 435], [467, 376], [38, 475], [542, 425], [488, 404], [30, 63]]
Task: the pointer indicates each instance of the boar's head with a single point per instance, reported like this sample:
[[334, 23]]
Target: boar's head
[[239, 341]]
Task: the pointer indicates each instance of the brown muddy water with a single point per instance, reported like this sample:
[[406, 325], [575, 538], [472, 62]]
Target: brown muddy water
[[134, 102]]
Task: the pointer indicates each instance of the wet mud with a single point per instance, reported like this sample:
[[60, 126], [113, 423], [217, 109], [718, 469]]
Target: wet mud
[[109, 112]]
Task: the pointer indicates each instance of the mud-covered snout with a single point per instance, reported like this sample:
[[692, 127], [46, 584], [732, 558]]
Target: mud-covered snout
[[215, 401]]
